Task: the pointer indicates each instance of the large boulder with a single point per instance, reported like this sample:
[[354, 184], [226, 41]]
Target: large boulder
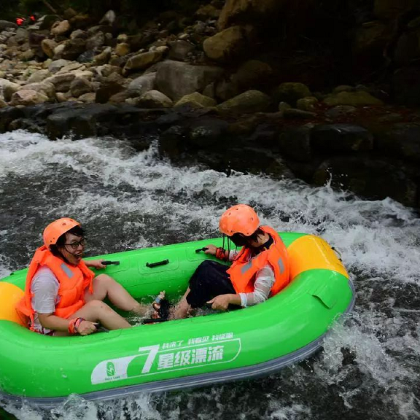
[[249, 10], [226, 45], [406, 85], [142, 84], [358, 98], [176, 79], [341, 138], [142, 61], [247, 102], [389, 9]]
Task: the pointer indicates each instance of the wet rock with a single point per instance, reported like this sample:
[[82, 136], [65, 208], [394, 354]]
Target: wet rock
[[142, 61], [7, 115], [296, 144], [247, 102], [226, 45], [197, 100], [176, 79], [400, 141], [172, 141], [359, 98], [154, 99], [290, 92], [372, 178], [341, 138]]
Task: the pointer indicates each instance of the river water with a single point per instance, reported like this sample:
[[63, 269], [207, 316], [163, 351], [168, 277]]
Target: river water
[[369, 366]]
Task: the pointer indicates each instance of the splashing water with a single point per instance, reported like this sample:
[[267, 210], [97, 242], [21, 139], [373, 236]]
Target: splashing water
[[369, 367]]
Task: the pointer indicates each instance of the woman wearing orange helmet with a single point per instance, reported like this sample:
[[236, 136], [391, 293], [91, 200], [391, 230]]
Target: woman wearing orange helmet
[[259, 270], [62, 295]]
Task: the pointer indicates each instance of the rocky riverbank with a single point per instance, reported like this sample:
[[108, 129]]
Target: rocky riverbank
[[191, 82]]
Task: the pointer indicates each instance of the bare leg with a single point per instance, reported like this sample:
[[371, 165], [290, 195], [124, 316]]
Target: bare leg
[[105, 286], [97, 311], [182, 309]]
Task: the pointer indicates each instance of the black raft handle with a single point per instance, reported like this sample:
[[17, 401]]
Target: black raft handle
[[157, 264]]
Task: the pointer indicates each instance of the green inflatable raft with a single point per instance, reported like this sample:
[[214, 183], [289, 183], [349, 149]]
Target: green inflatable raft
[[202, 350]]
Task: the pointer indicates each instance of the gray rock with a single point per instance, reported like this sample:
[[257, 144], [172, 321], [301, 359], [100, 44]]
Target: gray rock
[[79, 86], [154, 99], [56, 65], [176, 79], [142, 84]]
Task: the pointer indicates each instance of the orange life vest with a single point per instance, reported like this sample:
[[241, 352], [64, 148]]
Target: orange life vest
[[73, 281], [244, 268]]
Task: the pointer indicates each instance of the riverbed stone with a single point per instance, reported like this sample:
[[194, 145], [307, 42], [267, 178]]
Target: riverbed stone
[[176, 79], [60, 27], [61, 81], [79, 86], [48, 46], [247, 102], [179, 50], [251, 74], [44, 87], [28, 97], [56, 65], [38, 76], [142, 61], [295, 143], [8, 88], [154, 99]]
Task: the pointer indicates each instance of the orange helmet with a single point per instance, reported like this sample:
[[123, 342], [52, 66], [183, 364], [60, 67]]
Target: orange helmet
[[239, 219], [57, 228]]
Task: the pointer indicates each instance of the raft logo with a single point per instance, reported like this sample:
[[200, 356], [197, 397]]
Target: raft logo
[[110, 369], [199, 352]]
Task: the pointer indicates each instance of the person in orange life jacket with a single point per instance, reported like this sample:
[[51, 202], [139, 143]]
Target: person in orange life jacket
[[259, 270], [62, 295]]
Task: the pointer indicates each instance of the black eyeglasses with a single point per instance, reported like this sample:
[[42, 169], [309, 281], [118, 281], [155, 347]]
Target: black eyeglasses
[[75, 245]]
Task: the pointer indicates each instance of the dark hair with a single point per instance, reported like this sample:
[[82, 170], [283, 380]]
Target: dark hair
[[77, 231], [240, 239]]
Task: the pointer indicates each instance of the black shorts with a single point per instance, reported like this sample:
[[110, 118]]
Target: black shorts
[[208, 281]]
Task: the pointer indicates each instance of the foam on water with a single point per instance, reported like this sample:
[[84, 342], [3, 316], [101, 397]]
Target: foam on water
[[126, 199]]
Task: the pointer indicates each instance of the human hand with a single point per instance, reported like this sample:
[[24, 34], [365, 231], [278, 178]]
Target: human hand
[[220, 303], [86, 327], [211, 250], [96, 264]]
